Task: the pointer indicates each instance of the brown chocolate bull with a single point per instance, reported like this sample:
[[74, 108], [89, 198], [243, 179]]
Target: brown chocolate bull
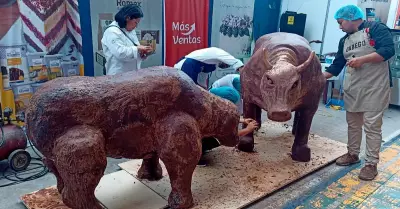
[[154, 113], [283, 75]]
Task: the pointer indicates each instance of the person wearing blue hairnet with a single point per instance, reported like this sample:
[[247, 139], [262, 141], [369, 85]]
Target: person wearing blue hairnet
[[232, 95], [232, 81], [364, 51]]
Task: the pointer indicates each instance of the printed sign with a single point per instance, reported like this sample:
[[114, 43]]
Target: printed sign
[[187, 30]]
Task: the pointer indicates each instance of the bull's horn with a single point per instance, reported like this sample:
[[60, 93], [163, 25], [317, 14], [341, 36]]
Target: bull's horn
[[265, 58], [305, 65]]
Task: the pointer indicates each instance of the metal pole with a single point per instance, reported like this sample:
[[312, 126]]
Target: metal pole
[[325, 25]]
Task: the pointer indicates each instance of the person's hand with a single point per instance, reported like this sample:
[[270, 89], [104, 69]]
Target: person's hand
[[252, 125], [248, 120], [327, 75], [144, 49], [355, 62]]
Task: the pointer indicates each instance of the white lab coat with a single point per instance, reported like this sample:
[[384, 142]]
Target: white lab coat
[[212, 55], [121, 54]]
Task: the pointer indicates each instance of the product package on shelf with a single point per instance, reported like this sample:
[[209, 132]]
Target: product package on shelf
[[37, 67], [36, 86], [14, 64], [70, 68], [22, 94], [44, 24], [53, 64]]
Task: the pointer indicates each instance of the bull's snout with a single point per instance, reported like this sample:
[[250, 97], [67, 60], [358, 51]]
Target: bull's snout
[[280, 116]]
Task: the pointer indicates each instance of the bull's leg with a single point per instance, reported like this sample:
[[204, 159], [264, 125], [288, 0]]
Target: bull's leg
[[80, 158], [300, 150], [180, 152], [295, 122], [52, 168], [246, 143], [150, 169]]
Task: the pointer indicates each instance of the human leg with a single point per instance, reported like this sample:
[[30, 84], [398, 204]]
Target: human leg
[[354, 125], [373, 131]]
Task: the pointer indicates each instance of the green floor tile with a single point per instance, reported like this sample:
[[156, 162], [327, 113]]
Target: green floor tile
[[393, 182], [352, 202], [387, 194], [373, 203], [322, 200]]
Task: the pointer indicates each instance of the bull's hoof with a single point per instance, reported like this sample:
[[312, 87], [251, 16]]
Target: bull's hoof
[[180, 201], [301, 153], [246, 144], [150, 173]]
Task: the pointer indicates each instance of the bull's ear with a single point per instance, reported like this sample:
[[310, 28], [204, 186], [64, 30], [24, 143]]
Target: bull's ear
[[265, 58], [307, 63]]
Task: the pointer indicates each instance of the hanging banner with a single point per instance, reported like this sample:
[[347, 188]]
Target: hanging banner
[[232, 26], [375, 10], [149, 30], [186, 28], [32, 27]]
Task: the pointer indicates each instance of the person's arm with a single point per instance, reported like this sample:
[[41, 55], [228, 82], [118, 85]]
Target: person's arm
[[383, 44], [245, 131], [112, 39], [223, 56], [338, 63]]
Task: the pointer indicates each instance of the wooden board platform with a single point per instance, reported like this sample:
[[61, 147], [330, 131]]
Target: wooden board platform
[[117, 190], [236, 179]]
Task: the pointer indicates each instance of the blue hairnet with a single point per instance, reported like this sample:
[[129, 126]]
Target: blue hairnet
[[226, 92], [349, 12], [236, 84]]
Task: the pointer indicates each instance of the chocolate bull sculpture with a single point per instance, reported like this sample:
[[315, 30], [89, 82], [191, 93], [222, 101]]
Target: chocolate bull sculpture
[[154, 113], [283, 75]]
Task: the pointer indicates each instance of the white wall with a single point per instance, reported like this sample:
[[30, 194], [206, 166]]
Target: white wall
[[315, 10], [392, 13], [333, 34]]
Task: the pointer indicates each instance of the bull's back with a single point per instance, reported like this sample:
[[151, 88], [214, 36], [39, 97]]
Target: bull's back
[[108, 102]]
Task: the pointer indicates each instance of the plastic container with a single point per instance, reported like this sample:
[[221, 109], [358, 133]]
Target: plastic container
[[70, 68], [22, 95], [37, 67], [53, 64], [36, 86]]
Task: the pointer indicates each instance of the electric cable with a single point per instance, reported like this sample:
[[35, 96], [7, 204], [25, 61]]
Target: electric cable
[[36, 171]]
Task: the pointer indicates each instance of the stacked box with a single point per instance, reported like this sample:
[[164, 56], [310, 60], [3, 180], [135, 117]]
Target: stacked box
[[37, 67], [53, 64], [44, 24], [70, 68]]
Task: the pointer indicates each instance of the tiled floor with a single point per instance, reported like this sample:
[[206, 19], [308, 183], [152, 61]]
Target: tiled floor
[[349, 192], [327, 122]]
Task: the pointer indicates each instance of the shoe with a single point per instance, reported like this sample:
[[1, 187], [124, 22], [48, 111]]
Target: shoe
[[368, 173], [347, 160]]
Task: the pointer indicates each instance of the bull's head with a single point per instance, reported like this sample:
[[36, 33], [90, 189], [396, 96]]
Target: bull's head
[[281, 86]]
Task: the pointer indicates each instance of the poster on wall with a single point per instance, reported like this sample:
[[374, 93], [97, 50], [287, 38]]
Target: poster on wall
[[375, 10], [186, 30], [149, 30], [232, 26], [40, 31]]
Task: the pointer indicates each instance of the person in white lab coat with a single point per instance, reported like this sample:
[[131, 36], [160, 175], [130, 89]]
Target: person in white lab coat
[[206, 60], [120, 44]]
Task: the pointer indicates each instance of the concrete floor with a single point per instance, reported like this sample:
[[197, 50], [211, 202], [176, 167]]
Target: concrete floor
[[327, 122]]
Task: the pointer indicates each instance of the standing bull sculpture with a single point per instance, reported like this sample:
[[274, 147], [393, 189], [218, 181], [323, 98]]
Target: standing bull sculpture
[[283, 75]]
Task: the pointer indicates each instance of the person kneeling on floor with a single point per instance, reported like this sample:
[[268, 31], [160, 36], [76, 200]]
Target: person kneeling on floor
[[206, 61], [233, 81], [233, 96]]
